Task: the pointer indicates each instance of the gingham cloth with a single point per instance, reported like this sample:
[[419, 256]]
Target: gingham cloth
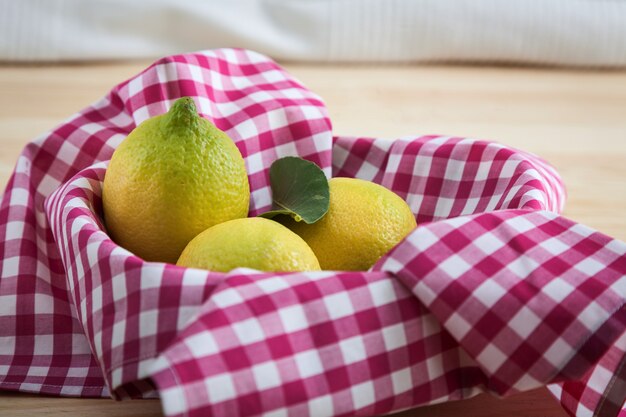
[[494, 291]]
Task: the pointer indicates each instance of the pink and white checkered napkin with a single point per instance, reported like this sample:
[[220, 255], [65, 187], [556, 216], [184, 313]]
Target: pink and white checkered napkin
[[493, 291]]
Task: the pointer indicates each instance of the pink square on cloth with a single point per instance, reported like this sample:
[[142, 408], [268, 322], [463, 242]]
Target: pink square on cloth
[[494, 291]]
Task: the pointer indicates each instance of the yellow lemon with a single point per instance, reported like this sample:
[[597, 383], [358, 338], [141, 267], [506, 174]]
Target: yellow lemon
[[364, 221], [174, 176], [253, 242]]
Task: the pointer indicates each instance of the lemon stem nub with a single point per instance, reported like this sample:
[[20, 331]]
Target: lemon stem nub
[[183, 113]]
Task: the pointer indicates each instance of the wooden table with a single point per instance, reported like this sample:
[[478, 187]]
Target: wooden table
[[574, 119]]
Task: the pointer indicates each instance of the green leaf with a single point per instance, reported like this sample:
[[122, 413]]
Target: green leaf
[[299, 189]]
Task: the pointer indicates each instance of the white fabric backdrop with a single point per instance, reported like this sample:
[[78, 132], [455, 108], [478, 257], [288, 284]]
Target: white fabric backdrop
[[553, 32]]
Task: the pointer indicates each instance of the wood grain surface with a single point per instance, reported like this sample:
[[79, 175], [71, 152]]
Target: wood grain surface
[[537, 403], [574, 119]]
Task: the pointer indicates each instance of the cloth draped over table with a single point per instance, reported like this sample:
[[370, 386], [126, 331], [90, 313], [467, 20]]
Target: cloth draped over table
[[494, 291]]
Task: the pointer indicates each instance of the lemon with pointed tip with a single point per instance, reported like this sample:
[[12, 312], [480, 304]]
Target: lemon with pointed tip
[[174, 176], [254, 242], [364, 221]]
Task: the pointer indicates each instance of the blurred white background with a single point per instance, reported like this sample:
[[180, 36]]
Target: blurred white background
[[588, 33]]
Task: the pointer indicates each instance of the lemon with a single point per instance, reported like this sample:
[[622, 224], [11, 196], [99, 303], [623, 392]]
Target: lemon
[[253, 242], [364, 221], [174, 176]]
